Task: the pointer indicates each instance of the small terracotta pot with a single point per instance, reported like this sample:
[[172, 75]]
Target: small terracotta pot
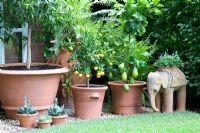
[[58, 119], [88, 101], [126, 103], [27, 121], [44, 124]]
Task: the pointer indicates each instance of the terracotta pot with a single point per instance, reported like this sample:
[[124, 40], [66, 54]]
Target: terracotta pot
[[44, 124], [64, 96], [88, 101], [58, 119], [40, 86], [27, 121], [126, 103]]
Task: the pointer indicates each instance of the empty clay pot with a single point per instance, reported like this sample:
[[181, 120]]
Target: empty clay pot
[[27, 121], [88, 101], [126, 103], [40, 86], [58, 119], [44, 124]]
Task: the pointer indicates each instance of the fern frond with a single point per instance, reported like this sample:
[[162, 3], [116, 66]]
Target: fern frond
[[103, 2], [103, 11], [109, 19]]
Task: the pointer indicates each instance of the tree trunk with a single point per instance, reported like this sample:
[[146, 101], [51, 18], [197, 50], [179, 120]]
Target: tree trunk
[[28, 63]]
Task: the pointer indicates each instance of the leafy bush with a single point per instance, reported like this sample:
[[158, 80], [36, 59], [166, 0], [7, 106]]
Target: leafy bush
[[128, 55], [48, 14], [56, 110], [91, 53], [44, 118], [26, 108], [167, 60], [178, 30]]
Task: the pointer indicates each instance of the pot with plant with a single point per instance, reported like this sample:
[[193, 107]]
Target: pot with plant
[[165, 80], [90, 55], [26, 114], [126, 90], [57, 113], [44, 121], [130, 56], [38, 81]]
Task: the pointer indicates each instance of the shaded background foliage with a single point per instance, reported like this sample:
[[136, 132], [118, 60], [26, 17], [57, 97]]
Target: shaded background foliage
[[178, 29]]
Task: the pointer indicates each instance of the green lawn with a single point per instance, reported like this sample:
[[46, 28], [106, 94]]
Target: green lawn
[[185, 122]]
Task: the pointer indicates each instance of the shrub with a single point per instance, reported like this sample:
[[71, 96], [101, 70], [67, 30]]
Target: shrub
[[178, 30], [167, 60]]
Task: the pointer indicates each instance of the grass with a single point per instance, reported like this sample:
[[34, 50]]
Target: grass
[[185, 122]]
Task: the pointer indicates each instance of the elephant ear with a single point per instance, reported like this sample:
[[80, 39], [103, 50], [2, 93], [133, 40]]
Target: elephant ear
[[166, 79]]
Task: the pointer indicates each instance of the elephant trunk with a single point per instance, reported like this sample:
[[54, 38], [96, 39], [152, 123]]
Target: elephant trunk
[[152, 100]]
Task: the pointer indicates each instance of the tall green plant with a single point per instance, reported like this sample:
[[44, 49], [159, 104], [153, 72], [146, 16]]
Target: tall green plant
[[45, 13], [89, 51], [129, 55]]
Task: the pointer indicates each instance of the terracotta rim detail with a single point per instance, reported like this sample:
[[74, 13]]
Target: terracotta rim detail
[[33, 72]]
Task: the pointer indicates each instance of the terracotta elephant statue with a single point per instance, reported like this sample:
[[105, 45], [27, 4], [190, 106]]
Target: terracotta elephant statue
[[161, 85]]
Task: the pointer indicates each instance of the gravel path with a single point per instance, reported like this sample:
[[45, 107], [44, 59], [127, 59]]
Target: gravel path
[[12, 126], [8, 125]]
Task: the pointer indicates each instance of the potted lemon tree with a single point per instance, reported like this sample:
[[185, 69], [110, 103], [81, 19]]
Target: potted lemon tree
[[90, 56], [130, 56]]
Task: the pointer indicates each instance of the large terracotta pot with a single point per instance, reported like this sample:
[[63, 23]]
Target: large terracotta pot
[[126, 103], [40, 86], [88, 101], [27, 121]]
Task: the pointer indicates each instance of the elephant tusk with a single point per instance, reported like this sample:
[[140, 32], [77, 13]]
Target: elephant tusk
[[152, 100]]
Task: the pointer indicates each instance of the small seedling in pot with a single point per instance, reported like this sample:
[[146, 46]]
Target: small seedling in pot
[[44, 121], [26, 108], [27, 115], [57, 113]]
